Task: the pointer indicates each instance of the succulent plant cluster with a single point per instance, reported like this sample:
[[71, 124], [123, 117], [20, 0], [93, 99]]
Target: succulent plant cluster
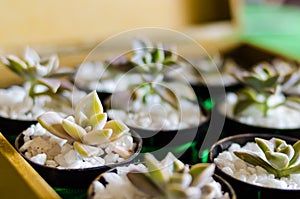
[[280, 158], [170, 178], [88, 128], [44, 74], [264, 87]]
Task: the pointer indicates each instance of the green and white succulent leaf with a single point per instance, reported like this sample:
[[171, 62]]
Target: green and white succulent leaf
[[96, 137], [279, 161], [98, 121], [175, 191], [201, 173], [145, 184], [255, 160], [118, 128], [122, 151], [89, 105], [182, 179], [296, 158], [265, 145], [167, 95], [85, 150], [52, 122], [73, 129], [157, 171]]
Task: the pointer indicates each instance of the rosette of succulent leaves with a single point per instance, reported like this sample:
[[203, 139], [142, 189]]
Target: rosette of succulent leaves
[[170, 178], [264, 86], [279, 158], [44, 75], [153, 61], [88, 128]]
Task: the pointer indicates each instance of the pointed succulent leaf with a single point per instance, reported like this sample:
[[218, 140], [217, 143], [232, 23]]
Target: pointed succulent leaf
[[144, 183], [96, 137], [250, 94], [182, 179], [82, 119], [178, 165], [290, 170], [98, 121], [118, 128], [293, 102], [157, 171], [242, 105], [89, 106], [264, 145], [255, 160], [15, 64], [52, 84], [201, 173], [73, 129], [167, 95], [296, 157], [171, 161], [85, 150], [31, 56], [122, 151], [278, 160], [288, 150], [254, 82], [175, 191], [52, 65], [52, 122], [277, 143]]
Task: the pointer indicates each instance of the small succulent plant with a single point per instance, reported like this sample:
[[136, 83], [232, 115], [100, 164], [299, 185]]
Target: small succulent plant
[[153, 62], [44, 73], [88, 128], [280, 158], [170, 178], [264, 87]]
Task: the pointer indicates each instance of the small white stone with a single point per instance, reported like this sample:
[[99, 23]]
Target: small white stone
[[39, 158], [111, 158], [70, 157]]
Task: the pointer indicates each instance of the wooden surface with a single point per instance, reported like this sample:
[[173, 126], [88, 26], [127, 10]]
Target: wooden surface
[[18, 179]]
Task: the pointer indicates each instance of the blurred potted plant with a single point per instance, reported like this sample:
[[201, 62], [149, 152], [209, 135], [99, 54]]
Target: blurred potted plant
[[262, 105], [160, 111], [46, 88]]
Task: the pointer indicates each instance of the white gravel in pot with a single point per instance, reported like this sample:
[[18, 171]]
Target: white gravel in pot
[[44, 148], [239, 169], [16, 104], [282, 117], [95, 76], [120, 187], [156, 114]]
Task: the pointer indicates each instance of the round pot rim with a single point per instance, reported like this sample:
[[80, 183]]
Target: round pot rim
[[138, 149], [248, 135]]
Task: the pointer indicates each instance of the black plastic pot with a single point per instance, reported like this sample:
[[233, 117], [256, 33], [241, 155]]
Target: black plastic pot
[[10, 128], [226, 187], [244, 189], [233, 127], [75, 178]]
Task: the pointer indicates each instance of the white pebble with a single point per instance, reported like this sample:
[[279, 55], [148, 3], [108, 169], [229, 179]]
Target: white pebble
[[39, 158]]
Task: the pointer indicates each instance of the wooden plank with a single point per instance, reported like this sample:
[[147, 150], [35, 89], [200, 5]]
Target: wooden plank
[[18, 179]]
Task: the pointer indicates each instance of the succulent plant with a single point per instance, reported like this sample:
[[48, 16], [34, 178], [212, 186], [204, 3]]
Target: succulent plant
[[88, 128], [44, 73], [264, 87], [153, 62], [170, 178], [280, 158]]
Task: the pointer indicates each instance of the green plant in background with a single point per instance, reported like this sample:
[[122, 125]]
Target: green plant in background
[[153, 62], [43, 74], [87, 128], [280, 158], [264, 87], [170, 178]]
